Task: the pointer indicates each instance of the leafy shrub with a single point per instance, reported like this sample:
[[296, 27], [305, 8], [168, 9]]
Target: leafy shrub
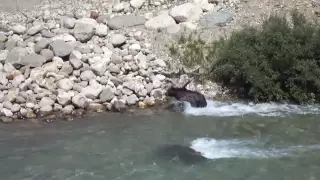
[[191, 51], [280, 61]]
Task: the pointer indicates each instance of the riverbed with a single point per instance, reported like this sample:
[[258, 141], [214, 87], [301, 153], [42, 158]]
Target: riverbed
[[240, 141]]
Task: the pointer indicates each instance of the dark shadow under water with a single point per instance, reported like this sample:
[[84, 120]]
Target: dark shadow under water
[[179, 153]]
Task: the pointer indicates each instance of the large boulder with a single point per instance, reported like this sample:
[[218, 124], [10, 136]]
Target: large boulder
[[187, 12], [162, 21]]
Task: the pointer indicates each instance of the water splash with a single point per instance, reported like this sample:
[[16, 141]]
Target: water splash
[[216, 149], [219, 108]]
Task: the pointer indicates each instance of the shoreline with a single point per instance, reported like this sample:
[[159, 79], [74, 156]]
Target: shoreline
[[101, 55]]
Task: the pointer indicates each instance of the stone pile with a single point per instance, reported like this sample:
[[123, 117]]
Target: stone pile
[[82, 60], [90, 67]]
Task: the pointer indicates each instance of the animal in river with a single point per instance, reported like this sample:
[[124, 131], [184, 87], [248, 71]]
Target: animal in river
[[179, 153], [195, 98]]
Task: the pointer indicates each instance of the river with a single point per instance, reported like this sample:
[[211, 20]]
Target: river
[[239, 142]]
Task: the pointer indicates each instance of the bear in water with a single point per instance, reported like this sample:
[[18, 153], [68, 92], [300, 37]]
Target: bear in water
[[195, 98], [179, 153]]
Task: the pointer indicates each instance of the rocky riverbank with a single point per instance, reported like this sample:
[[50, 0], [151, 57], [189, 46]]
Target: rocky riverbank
[[98, 55]]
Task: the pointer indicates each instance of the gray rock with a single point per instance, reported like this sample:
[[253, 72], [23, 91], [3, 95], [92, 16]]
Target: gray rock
[[66, 69], [103, 19], [116, 59], [6, 119], [9, 68], [19, 29], [7, 104], [16, 55], [46, 101], [76, 63], [142, 93], [47, 34], [15, 108], [122, 6], [33, 60], [58, 61], [162, 21], [214, 19], [159, 63], [68, 109], [107, 94], [3, 38], [87, 21], [126, 91], [1, 96], [135, 85], [87, 75], [3, 79], [132, 99], [75, 55], [3, 55], [149, 87], [142, 61], [64, 98], [134, 48], [12, 94], [96, 107], [47, 54], [157, 94], [7, 112], [101, 30], [35, 29], [65, 84], [80, 101], [17, 80], [149, 101], [114, 69], [30, 114], [186, 12], [92, 91], [51, 67], [99, 68], [119, 105], [83, 48], [67, 22], [173, 29], [76, 73], [103, 80], [20, 99], [118, 40], [61, 48], [128, 57], [77, 87], [57, 107], [126, 21], [45, 110], [83, 32], [4, 28], [137, 4], [41, 44], [23, 112]]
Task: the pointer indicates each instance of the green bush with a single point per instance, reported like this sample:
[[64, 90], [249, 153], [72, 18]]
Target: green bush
[[280, 61]]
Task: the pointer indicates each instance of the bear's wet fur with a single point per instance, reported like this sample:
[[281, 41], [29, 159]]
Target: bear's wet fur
[[180, 153], [195, 98]]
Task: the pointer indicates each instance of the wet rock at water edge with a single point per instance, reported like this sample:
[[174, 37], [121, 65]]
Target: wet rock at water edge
[[96, 107], [119, 105], [45, 110]]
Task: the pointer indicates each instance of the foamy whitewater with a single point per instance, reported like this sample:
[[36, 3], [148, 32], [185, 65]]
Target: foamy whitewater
[[218, 108], [216, 149]]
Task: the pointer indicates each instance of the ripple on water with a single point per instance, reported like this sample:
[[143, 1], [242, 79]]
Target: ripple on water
[[217, 149], [227, 109]]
